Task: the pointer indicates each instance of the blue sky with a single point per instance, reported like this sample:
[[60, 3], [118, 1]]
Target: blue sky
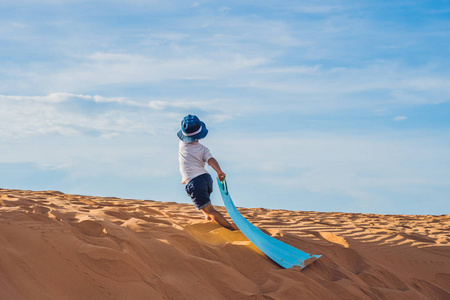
[[311, 105]]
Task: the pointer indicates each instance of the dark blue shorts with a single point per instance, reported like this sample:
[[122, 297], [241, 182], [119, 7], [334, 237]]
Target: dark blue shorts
[[199, 190]]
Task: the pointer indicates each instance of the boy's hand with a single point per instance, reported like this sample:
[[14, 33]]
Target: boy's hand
[[221, 176]]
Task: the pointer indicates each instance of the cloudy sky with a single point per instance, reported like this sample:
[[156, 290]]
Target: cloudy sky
[[310, 105]]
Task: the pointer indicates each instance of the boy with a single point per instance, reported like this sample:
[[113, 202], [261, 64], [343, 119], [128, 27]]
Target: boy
[[192, 157]]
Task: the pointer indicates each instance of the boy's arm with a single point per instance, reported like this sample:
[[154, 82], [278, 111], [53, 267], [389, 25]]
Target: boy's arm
[[215, 165]]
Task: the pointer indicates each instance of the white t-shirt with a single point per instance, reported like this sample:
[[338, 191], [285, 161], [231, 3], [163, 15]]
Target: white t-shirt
[[192, 158]]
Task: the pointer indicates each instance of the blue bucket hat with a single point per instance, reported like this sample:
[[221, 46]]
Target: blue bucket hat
[[192, 129]]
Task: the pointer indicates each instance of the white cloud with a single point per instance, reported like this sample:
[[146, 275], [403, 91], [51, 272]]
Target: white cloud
[[64, 97], [224, 9], [349, 88], [109, 69], [69, 114], [318, 8], [290, 70], [399, 118], [226, 57], [362, 167], [19, 25], [380, 111]]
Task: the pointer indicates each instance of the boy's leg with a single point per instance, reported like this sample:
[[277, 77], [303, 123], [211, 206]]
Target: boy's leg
[[212, 214]]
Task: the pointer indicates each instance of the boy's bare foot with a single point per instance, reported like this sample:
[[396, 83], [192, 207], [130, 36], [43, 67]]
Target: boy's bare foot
[[217, 217]]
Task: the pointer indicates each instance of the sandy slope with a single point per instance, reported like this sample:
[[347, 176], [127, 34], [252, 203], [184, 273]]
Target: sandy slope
[[58, 246]]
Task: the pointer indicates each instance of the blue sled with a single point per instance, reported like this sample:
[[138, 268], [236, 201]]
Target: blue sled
[[282, 253]]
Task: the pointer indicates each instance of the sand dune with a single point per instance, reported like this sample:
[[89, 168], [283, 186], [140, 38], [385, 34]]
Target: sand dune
[[59, 246]]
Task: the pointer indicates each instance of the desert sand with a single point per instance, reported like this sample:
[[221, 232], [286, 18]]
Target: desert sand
[[60, 246]]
